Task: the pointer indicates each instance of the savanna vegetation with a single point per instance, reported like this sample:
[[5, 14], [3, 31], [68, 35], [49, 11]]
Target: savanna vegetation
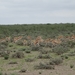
[[46, 30], [33, 49]]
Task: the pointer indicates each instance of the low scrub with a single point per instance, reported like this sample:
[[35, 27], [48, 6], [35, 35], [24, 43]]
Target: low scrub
[[64, 56], [4, 53], [44, 56], [35, 48], [6, 56], [28, 51], [29, 59], [18, 54], [22, 49], [56, 61], [1, 73], [13, 62], [10, 45], [19, 43], [71, 54], [51, 45], [44, 66], [4, 43], [71, 66], [43, 51], [60, 49], [23, 70], [42, 44]]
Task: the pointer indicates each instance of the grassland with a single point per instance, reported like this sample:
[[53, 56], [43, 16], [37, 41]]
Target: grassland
[[37, 49]]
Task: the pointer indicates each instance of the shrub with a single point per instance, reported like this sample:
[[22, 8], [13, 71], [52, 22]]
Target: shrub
[[56, 61], [28, 51], [4, 43], [35, 48], [64, 56], [29, 59], [23, 70], [71, 54], [22, 49], [18, 54], [44, 51], [45, 56], [42, 44], [19, 43], [13, 62], [44, 66], [51, 45], [71, 66], [71, 44], [40, 72], [60, 49], [4, 53], [10, 45], [1, 73], [2, 46], [6, 57], [28, 43]]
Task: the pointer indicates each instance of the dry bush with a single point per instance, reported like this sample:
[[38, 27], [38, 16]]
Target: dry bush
[[29, 59], [56, 61], [43, 51], [18, 54], [44, 66], [44, 56], [19, 43], [13, 62], [60, 49], [3, 53], [35, 48], [23, 70]]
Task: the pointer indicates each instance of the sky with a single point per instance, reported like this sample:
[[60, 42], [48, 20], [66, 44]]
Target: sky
[[37, 11]]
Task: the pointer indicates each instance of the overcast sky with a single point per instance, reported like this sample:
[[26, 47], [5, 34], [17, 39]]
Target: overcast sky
[[37, 11]]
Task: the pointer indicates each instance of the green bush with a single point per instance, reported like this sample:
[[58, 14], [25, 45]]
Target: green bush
[[13, 62], [23, 70], [51, 45], [71, 66], [56, 61], [22, 49], [40, 72], [19, 43], [42, 44], [35, 48], [2, 46], [44, 66], [60, 49], [4, 43], [6, 57], [4, 53], [64, 56], [43, 51], [71, 54], [1, 73], [29, 59], [18, 54], [45, 56], [10, 45], [71, 44], [28, 51]]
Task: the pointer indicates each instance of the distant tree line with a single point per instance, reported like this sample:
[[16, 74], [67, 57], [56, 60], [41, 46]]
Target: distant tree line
[[45, 30]]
